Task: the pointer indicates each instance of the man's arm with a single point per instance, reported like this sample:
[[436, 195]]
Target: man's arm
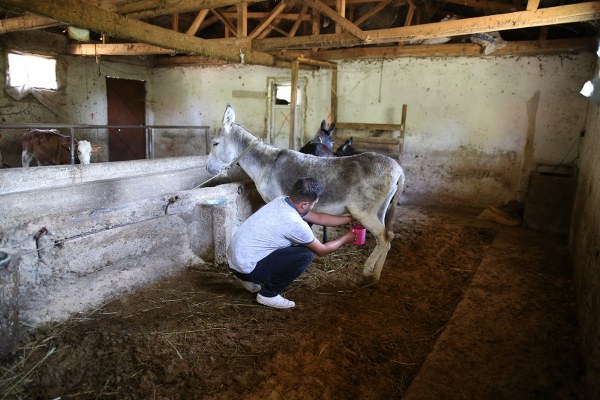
[[327, 219], [322, 249]]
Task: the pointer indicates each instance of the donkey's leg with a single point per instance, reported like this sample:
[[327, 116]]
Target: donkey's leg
[[381, 261], [376, 227]]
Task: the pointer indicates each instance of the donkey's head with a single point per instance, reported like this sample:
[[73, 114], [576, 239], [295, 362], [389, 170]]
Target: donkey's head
[[325, 135], [222, 152]]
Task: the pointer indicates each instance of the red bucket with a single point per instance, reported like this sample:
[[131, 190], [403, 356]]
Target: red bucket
[[361, 234]]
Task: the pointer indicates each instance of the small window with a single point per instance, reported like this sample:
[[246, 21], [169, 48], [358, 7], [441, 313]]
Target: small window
[[31, 71], [283, 94]]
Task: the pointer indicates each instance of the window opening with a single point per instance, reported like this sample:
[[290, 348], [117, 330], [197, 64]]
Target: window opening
[[283, 94], [31, 71]]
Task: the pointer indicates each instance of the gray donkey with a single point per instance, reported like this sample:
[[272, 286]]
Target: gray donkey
[[366, 186]]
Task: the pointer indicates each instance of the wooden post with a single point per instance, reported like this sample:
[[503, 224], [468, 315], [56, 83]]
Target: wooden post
[[293, 103], [334, 100]]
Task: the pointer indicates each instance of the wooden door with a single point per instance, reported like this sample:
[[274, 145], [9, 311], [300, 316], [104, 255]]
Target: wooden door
[[126, 101]]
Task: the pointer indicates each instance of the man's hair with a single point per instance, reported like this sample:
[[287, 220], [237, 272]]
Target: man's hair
[[306, 189]]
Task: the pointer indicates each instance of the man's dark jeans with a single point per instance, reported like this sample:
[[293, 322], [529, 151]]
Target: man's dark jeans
[[279, 269]]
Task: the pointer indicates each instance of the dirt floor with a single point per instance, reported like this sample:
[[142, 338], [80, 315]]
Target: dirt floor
[[465, 309]]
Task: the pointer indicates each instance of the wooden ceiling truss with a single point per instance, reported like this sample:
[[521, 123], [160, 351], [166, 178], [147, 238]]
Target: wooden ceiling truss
[[253, 33]]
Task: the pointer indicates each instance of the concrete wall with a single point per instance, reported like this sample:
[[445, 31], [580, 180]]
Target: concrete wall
[[475, 126], [195, 95], [585, 248], [81, 240]]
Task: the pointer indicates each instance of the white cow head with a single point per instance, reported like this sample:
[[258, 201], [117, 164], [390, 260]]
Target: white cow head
[[84, 151]]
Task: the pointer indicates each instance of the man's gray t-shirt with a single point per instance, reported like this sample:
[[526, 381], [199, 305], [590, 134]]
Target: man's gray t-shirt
[[275, 226]]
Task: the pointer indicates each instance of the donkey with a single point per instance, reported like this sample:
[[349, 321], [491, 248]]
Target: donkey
[[346, 149], [366, 186], [322, 144]]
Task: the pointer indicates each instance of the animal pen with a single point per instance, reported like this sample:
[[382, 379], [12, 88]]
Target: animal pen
[[113, 277]]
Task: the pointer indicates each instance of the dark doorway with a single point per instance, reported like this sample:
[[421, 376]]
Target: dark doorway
[[126, 101]]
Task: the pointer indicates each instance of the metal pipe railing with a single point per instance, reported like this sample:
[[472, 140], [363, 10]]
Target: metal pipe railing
[[149, 129]]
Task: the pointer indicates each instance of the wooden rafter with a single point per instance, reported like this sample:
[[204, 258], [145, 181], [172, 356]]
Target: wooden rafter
[[242, 20], [343, 22], [25, 22], [301, 17], [533, 5], [193, 29], [174, 6], [380, 6], [522, 19], [457, 50], [157, 40], [87, 16], [276, 11], [340, 8], [228, 25]]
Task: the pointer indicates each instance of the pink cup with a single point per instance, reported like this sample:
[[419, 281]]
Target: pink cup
[[361, 234]]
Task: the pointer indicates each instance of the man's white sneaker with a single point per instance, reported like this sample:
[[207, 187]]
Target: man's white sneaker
[[249, 286], [276, 302]]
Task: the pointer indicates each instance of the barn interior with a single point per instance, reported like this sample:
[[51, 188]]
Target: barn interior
[[481, 102]]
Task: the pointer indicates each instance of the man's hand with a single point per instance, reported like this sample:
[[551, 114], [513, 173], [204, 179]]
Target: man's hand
[[321, 249]]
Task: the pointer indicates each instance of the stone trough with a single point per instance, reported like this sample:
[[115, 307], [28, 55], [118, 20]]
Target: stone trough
[[81, 235]]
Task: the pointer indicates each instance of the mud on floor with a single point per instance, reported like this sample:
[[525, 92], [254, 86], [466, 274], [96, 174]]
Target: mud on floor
[[198, 335]]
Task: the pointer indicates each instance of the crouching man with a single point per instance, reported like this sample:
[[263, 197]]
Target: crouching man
[[276, 244]]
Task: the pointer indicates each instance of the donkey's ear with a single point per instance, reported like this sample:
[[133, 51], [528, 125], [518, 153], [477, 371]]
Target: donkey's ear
[[331, 128], [228, 118], [324, 125]]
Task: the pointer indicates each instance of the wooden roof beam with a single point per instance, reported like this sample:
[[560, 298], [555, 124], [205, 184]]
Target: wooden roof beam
[[521, 19], [532, 47], [26, 22], [343, 22], [163, 7], [263, 25], [78, 13]]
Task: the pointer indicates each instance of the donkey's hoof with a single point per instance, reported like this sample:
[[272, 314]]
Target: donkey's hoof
[[367, 280]]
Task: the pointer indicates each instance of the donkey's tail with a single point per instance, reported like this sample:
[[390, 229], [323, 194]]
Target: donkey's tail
[[389, 215]]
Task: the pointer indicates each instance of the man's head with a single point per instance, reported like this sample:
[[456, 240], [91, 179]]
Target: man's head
[[306, 189]]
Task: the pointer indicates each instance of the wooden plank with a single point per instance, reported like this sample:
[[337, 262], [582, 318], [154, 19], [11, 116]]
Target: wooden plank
[[533, 5], [120, 49], [26, 22], [532, 47], [164, 7], [340, 8], [242, 20], [86, 16], [200, 60], [334, 90], [318, 63], [293, 104], [361, 125], [579, 12], [261, 15]]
